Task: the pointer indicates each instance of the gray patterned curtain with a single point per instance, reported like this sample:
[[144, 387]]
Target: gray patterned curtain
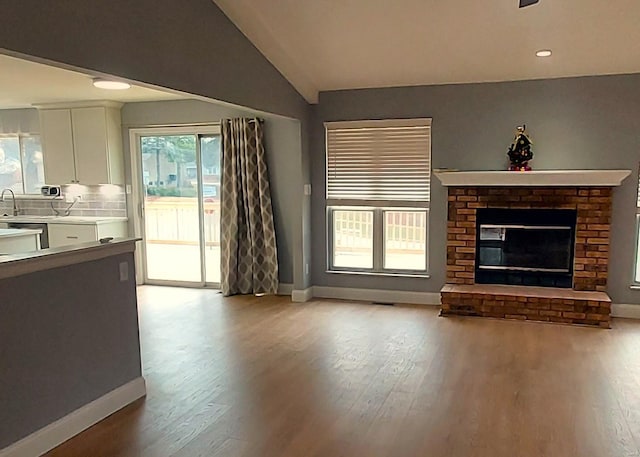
[[249, 263]]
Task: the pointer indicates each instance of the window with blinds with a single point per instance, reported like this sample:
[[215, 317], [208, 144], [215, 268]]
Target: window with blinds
[[378, 191], [387, 160]]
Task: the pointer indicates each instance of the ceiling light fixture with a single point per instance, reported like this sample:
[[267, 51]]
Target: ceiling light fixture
[[544, 53], [102, 83]]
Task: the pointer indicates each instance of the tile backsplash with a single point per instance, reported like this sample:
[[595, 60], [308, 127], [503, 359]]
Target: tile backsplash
[[104, 200]]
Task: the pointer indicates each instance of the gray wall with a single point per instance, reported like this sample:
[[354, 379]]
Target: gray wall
[[190, 46], [187, 45], [305, 245], [283, 147], [19, 121], [65, 342], [575, 123]]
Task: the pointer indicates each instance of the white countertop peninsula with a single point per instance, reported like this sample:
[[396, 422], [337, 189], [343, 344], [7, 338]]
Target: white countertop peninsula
[[30, 262], [70, 339], [16, 233], [79, 220], [14, 241]]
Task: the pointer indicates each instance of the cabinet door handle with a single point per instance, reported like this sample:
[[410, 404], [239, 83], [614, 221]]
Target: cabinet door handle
[[72, 237]]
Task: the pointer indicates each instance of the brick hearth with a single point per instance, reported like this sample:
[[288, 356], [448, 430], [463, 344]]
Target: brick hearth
[[591, 257], [527, 303]]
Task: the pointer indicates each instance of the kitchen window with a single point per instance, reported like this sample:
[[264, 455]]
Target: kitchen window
[[378, 193], [21, 164]]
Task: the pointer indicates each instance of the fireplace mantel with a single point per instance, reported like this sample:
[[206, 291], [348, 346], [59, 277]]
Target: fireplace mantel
[[537, 178]]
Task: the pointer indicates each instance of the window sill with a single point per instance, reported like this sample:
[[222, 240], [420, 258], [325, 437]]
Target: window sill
[[391, 275]]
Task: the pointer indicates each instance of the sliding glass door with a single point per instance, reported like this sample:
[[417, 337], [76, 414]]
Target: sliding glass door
[[180, 205], [210, 166]]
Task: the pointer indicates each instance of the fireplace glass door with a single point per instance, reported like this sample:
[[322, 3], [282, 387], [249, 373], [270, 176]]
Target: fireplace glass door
[[527, 247]]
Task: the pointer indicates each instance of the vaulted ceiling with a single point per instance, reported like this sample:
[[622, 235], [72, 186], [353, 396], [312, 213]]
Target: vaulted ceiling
[[321, 45]]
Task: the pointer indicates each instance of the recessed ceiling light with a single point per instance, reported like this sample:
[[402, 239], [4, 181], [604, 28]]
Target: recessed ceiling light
[[109, 84], [543, 53]]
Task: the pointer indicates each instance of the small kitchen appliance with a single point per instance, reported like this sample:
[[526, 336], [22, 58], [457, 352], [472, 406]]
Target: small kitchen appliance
[[50, 191]]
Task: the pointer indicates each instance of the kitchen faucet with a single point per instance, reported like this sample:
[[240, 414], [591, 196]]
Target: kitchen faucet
[[13, 197]]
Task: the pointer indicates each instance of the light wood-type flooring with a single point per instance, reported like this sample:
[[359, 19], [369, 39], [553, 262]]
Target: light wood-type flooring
[[245, 376]]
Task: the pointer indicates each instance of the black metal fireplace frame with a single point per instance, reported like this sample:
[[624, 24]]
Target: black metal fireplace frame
[[530, 218]]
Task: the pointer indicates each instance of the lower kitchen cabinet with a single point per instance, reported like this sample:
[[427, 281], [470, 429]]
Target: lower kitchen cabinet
[[67, 234], [13, 241]]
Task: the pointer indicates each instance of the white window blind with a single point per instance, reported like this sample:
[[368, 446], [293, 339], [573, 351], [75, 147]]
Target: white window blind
[[387, 160]]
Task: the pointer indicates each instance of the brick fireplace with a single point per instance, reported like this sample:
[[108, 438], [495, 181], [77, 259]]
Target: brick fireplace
[[521, 292]]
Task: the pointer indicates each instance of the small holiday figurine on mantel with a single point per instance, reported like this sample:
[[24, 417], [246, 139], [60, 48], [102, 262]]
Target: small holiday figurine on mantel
[[520, 151]]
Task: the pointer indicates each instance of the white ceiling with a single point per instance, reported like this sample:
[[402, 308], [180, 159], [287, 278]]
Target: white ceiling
[[323, 45], [24, 83]]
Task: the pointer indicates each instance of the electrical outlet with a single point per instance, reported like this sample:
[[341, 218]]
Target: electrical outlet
[[70, 197], [306, 268], [307, 189]]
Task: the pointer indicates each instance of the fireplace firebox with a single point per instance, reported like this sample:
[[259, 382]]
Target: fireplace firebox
[[532, 247]]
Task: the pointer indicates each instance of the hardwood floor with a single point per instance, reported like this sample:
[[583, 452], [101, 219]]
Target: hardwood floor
[[242, 377]]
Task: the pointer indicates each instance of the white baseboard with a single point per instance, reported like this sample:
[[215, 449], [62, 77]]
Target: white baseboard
[[67, 427], [377, 295], [285, 289], [301, 296], [625, 311]]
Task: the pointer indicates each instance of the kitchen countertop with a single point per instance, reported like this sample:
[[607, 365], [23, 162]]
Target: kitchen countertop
[[9, 233], [12, 265], [80, 220]]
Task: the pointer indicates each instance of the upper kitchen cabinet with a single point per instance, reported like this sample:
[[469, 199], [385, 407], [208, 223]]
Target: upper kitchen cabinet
[[97, 142], [82, 143], [57, 144]]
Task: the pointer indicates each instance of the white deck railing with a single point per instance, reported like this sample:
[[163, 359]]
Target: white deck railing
[[175, 220], [404, 230]]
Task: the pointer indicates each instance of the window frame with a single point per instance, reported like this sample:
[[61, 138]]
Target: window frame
[[385, 239], [379, 208], [636, 262], [635, 283], [378, 242], [21, 137], [330, 239]]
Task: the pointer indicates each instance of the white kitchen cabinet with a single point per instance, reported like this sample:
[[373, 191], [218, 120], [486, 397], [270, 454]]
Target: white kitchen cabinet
[[68, 234], [16, 241], [57, 144], [82, 143]]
